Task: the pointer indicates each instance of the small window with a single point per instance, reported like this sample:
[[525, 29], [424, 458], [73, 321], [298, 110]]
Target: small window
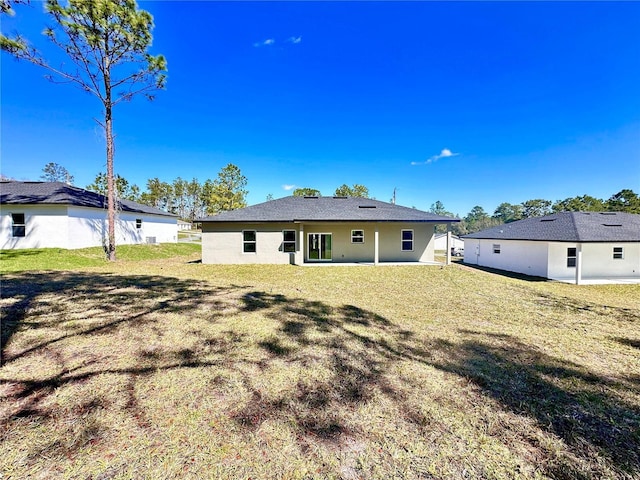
[[571, 257], [496, 248], [407, 240], [289, 241], [249, 241], [18, 225], [138, 223], [618, 253], [357, 236]]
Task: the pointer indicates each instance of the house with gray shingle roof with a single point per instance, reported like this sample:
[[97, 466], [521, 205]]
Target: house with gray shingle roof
[[582, 247], [57, 215], [302, 230]]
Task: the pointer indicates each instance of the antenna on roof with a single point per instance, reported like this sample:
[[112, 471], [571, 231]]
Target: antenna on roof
[[393, 200]]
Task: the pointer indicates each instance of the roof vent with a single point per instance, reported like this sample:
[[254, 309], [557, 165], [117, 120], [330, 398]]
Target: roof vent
[[548, 220], [366, 206], [340, 196], [607, 213], [611, 225], [310, 196]]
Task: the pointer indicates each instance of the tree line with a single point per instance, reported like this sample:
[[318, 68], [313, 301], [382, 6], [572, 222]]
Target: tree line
[[477, 219], [190, 199]]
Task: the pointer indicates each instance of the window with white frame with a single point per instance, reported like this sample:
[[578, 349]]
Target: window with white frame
[[288, 240], [571, 256], [18, 225], [618, 253], [407, 240], [357, 236], [138, 223], [496, 248], [249, 241]]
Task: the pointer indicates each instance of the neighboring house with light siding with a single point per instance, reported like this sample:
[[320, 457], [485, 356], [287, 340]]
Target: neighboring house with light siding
[[582, 247], [302, 230], [57, 215], [441, 242]]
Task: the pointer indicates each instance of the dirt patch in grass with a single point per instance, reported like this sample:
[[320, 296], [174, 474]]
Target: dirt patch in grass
[[285, 372]]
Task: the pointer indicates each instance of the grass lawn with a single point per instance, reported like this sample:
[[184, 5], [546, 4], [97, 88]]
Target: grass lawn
[[167, 368]]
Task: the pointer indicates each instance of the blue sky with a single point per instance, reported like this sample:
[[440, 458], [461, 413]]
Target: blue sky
[[469, 103]]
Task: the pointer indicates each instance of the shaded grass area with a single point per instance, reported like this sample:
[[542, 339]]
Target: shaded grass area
[[346, 372], [63, 259]]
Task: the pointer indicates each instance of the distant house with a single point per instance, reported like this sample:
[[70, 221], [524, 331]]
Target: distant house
[[440, 240], [182, 225], [582, 247], [320, 229], [54, 214]]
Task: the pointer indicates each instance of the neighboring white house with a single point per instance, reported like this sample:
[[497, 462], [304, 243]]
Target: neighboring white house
[[440, 242], [582, 247], [320, 229], [54, 214], [182, 225]]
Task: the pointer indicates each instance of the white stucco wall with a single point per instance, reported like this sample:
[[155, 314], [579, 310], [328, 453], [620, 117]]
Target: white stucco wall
[[53, 226], [222, 242], [518, 256], [597, 261], [46, 226], [549, 259]]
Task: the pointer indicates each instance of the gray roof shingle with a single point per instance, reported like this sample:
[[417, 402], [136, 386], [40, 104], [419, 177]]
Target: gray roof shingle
[[327, 209], [58, 193], [569, 227]]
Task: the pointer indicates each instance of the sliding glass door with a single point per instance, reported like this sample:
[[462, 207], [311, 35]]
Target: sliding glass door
[[319, 246]]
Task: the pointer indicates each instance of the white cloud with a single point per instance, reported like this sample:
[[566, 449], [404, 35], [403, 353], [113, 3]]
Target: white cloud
[[265, 43], [295, 40], [288, 187], [444, 153]]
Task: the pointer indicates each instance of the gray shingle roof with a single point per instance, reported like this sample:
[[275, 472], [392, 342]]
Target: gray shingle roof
[[57, 193], [569, 227], [327, 209]]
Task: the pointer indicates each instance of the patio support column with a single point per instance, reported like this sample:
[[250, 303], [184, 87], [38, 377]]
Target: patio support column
[[376, 246], [448, 244], [301, 244], [578, 264]]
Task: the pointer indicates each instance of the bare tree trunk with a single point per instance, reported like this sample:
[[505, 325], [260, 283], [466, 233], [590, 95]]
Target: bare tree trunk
[[111, 197]]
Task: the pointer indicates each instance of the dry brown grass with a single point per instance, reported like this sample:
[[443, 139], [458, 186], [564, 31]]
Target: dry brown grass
[[169, 369]]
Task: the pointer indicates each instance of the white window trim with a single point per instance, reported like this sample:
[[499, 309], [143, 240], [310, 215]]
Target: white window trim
[[255, 232], [402, 240], [621, 253], [496, 248], [359, 237], [139, 220], [571, 256], [295, 240]]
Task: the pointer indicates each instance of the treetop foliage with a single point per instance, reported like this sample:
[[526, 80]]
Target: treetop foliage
[[52, 172]]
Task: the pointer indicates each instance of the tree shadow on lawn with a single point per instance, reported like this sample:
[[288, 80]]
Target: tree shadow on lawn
[[581, 408], [358, 350]]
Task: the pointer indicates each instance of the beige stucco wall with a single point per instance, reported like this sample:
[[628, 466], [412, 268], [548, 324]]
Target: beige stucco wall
[[222, 242]]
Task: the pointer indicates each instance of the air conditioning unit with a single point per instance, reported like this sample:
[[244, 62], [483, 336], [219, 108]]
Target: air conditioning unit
[[151, 240]]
